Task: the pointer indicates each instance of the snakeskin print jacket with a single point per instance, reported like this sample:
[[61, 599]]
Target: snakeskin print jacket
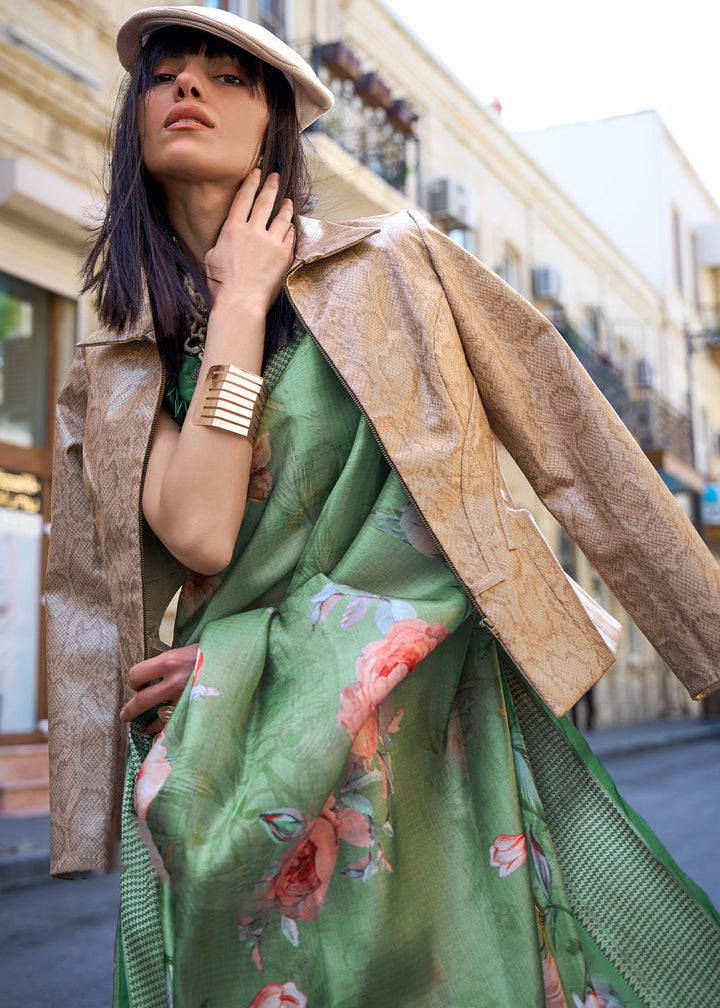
[[443, 358]]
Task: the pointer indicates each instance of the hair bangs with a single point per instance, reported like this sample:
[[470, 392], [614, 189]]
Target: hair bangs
[[174, 40]]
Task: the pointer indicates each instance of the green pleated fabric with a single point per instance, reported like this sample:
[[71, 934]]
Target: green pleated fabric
[[358, 803]]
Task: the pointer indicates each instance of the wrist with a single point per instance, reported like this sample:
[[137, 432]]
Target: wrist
[[239, 307]]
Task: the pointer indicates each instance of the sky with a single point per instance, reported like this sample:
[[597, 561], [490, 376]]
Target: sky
[[554, 61]]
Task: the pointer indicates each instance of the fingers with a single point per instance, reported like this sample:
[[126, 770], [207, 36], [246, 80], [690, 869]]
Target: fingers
[[253, 253], [174, 660], [161, 679], [245, 197], [254, 204]]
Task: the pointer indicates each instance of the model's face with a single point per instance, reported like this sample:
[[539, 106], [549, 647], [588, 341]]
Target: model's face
[[201, 121]]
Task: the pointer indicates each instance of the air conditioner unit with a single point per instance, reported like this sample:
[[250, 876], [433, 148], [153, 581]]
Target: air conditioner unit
[[643, 371], [546, 283], [450, 203]]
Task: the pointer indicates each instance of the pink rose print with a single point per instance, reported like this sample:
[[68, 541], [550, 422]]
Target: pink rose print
[[279, 996], [152, 775], [380, 667], [261, 480], [508, 852], [554, 997], [298, 888]]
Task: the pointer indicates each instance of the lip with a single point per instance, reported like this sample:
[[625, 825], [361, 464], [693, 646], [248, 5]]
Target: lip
[[189, 115]]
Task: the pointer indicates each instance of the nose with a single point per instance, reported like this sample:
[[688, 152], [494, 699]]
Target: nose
[[187, 84]]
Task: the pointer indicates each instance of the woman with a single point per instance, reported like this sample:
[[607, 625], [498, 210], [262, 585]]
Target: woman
[[354, 798]]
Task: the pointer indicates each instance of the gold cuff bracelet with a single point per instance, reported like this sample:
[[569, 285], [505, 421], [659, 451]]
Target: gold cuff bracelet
[[232, 399]]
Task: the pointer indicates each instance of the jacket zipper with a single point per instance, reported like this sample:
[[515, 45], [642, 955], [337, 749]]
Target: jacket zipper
[[485, 622], [158, 406]]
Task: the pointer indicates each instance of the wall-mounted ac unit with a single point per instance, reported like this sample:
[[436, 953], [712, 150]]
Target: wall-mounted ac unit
[[450, 203], [546, 283]]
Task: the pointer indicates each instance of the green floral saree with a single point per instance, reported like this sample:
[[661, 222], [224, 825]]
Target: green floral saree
[[358, 803]]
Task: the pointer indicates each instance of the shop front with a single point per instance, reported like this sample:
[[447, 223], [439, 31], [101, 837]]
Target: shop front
[[38, 331]]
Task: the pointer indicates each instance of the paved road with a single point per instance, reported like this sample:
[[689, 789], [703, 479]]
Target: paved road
[[56, 938], [56, 943]]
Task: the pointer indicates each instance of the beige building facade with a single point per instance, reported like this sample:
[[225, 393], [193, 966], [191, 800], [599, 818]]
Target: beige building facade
[[403, 132]]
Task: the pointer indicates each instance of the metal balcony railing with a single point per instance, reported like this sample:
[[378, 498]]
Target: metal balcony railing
[[654, 424], [657, 426], [365, 120]]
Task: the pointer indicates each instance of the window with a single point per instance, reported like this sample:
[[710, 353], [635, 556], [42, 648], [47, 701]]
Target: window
[[695, 273], [37, 336], [270, 14], [234, 6], [37, 339], [24, 312], [509, 268], [677, 251], [567, 556], [464, 237]]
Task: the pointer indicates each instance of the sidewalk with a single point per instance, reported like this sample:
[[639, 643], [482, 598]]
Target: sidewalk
[[25, 840]]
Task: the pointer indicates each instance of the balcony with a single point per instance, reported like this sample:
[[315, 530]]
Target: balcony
[[707, 336], [663, 433], [366, 120], [657, 427]]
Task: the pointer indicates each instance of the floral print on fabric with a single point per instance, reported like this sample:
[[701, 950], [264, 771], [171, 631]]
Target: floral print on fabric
[[196, 592], [152, 775], [197, 689], [279, 996], [554, 997], [261, 480], [508, 852], [296, 884], [601, 996], [378, 670], [407, 525]]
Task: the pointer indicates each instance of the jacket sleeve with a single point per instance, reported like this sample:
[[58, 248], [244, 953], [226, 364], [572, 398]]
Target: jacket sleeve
[[83, 665], [585, 465]]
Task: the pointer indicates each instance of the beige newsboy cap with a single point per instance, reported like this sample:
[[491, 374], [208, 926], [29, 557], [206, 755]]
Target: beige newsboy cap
[[312, 98]]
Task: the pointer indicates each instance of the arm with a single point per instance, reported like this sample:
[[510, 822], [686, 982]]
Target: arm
[[585, 465], [203, 471]]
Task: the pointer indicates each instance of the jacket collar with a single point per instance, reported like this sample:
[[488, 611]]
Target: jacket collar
[[316, 240]]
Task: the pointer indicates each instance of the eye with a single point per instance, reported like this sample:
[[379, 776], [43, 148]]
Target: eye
[[229, 78], [162, 78]]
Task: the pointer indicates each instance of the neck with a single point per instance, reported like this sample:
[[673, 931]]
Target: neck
[[197, 213]]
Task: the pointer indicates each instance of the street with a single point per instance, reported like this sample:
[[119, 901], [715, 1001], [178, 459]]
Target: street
[[56, 938]]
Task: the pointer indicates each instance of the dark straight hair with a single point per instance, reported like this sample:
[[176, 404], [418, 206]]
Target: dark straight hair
[[135, 256]]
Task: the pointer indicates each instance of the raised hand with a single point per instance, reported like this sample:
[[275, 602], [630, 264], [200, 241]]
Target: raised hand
[[254, 250]]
